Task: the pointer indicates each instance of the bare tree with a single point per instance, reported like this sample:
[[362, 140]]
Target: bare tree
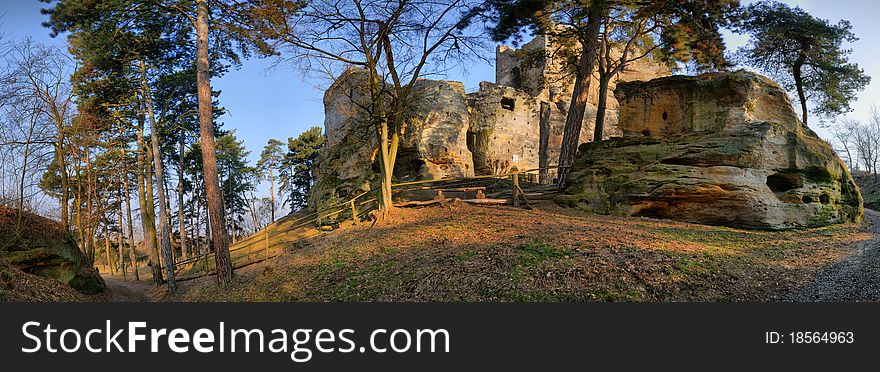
[[396, 42], [843, 133], [37, 97], [873, 129], [865, 139]]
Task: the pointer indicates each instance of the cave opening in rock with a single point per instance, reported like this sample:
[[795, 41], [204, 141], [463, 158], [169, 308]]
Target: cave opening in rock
[[646, 133], [824, 199], [782, 182], [508, 103], [807, 199], [665, 116]]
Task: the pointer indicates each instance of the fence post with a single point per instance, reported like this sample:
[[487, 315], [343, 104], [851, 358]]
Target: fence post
[[267, 243], [516, 189], [354, 215]]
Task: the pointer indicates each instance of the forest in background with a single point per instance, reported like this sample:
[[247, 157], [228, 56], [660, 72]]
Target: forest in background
[[120, 130]]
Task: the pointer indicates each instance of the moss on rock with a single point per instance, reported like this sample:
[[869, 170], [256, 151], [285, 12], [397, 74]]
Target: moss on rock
[[759, 168]]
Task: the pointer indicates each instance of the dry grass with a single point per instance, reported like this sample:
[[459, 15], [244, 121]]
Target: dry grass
[[36, 228], [470, 253]]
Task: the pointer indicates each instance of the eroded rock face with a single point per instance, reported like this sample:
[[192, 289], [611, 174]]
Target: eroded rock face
[[345, 163], [433, 145], [41, 247], [721, 149]]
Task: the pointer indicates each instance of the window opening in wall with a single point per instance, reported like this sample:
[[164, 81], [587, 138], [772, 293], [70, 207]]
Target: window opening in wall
[[507, 103]]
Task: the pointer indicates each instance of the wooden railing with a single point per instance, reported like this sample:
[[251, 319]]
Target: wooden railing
[[269, 243]]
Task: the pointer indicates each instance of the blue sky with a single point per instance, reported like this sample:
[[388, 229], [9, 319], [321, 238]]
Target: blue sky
[[281, 102], [262, 102]]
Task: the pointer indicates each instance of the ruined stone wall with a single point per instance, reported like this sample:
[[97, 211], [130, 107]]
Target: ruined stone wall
[[516, 123], [504, 130], [529, 134]]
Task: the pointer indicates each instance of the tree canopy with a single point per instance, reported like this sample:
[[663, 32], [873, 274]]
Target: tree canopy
[[805, 54], [298, 168]]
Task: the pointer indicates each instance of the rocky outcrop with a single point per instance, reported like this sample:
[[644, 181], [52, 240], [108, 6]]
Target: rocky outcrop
[[18, 286], [721, 149], [345, 164], [433, 145], [41, 247], [514, 124]]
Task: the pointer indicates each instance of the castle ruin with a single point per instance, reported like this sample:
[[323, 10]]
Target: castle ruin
[[515, 123]]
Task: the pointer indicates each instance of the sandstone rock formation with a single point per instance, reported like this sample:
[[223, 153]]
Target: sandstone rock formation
[[516, 123], [42, 248], [433, 145], [345, 164], [720, 149]]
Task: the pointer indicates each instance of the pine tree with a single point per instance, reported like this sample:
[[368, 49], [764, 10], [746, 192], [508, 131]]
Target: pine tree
[[692, 35], [270, 161], [237, 179], [805, 54], [297, 171]]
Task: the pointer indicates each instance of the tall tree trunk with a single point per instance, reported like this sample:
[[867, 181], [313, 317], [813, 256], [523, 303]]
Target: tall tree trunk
[[121, 250], [174, 256], [184, 253], [598, 130], [209, 155], [151, 204], [197, 212], [209, 247], [132, 254], [110, 268], [253, 211], [119, 231], [575, 118], [387, 169], [65, 181], [146, 203], [193, 238], [164, 225], [90, 234], [272, 193], [385, 148], [24, 169], [78, 201], [799, 85], [233, 228]]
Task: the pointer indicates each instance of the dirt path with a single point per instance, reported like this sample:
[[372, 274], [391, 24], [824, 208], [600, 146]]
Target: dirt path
[[128, 291], [857, 278]]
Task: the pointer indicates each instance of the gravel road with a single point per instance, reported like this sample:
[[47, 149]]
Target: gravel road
[[857, 278]]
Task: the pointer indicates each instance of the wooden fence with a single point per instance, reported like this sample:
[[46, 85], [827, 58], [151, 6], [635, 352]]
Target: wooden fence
[[288, 231]]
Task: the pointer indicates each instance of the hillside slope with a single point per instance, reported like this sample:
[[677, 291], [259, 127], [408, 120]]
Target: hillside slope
[[869, 185], [470, 253]]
